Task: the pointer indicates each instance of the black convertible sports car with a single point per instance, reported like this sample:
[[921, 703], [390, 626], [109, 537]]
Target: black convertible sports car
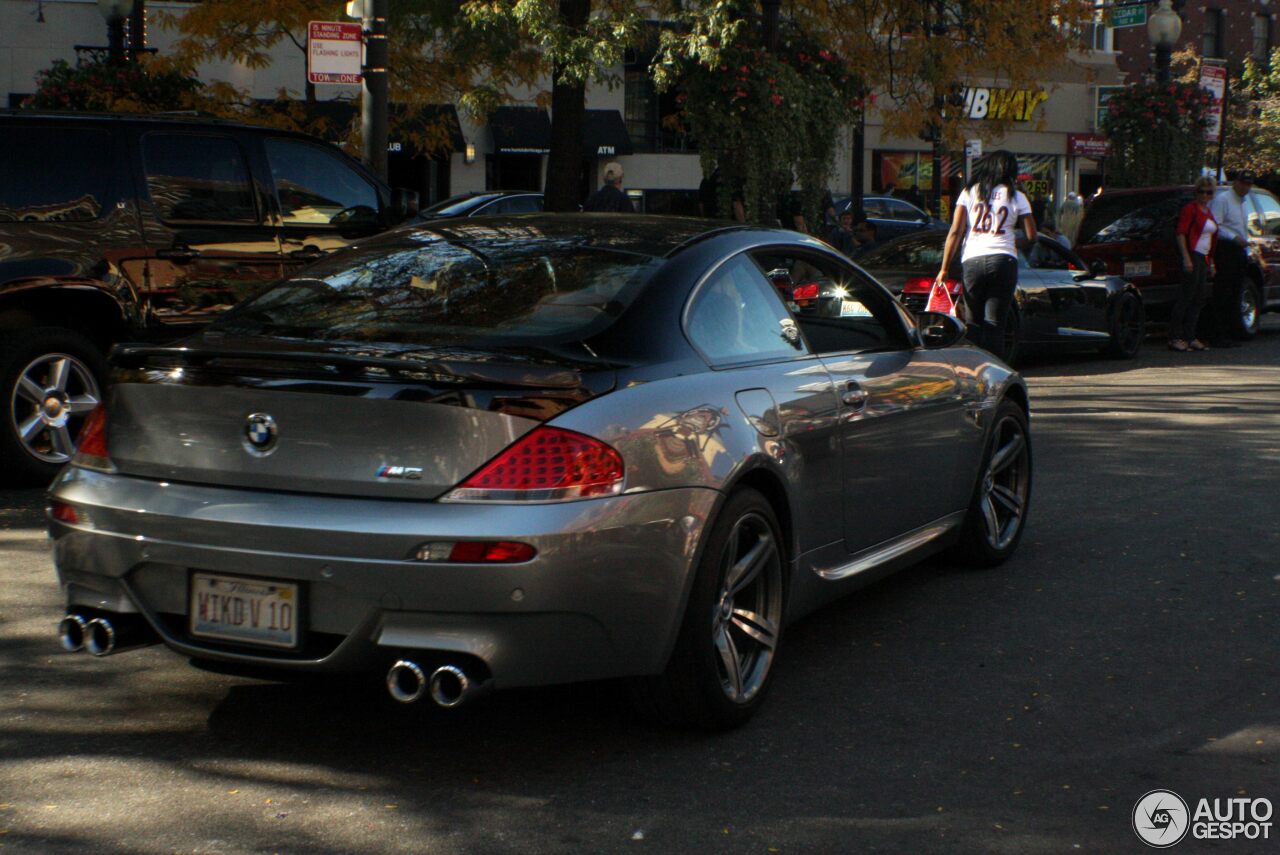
[[1061, 303]]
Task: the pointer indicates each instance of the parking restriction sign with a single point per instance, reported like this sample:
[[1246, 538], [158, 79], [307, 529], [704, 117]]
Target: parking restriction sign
[[333, 52]]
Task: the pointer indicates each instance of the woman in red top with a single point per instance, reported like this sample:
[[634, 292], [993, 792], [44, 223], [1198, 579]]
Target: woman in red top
[[1197, 233]]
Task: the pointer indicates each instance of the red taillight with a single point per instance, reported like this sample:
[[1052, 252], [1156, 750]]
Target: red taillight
[[805, 292], [91, 452], [62, 512], [476, 552], [924, 284], [546, 464]]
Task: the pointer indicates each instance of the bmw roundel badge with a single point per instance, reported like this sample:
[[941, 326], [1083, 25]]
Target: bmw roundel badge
[[260, 434]]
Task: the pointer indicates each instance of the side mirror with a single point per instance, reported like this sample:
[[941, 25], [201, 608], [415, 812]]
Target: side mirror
[[404, 204], [1098, 267], [938, 329]]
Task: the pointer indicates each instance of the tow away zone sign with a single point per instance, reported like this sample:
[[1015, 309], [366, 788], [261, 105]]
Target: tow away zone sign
[[333, 52]]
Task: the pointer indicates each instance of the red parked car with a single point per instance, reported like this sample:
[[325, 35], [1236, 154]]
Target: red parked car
[[1131, 231]]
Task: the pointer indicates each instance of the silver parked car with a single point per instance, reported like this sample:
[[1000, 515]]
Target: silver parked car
[[534, 451]]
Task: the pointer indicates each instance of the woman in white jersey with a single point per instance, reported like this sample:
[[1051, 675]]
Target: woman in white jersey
[[988, 213]]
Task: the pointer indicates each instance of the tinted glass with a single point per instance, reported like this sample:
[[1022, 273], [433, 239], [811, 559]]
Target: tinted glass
[[1045, 255], [902, 211], [193, 177], [734, 319], [875, 208], [425, 290], [456, 206], [838, 309], [918, 252], [521, 205], [317, 186], [1139, 216], [1269, 212], [53, 174]]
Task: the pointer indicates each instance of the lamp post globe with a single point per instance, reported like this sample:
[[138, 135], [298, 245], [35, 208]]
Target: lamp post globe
[[1164, 26]]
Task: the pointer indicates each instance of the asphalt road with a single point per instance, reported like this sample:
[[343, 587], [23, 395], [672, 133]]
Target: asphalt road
[[1131, 644]]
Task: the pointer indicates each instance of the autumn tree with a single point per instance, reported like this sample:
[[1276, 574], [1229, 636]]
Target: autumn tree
[[1253, 122]]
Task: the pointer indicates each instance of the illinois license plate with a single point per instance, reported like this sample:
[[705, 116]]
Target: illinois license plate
[[248, 611], [1137, 268]]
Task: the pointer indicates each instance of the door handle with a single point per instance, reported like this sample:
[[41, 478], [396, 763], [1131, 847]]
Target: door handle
[[178, 253], [854, 395]]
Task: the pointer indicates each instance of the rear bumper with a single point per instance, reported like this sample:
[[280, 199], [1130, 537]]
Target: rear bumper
[[603, 597]]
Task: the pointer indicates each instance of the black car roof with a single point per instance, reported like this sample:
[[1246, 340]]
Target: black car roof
[[645, 234]]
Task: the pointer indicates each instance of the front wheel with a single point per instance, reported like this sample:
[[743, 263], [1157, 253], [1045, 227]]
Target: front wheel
[[1128, 326], [1249, 315], [722, 665], [997, 511]]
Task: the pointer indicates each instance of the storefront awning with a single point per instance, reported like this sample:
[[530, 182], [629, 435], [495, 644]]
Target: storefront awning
[[605, 134], [520, 130]]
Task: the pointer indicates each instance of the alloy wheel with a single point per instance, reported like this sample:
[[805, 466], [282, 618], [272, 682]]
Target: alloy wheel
[[1006, 484], [53, 395], [1248, 309], [748, 609]]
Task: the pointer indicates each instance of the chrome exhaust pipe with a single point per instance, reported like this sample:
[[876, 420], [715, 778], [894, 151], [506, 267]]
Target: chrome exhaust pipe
[[100, 637], [450, 686], [112, 634], [71, 632], [406, 682]]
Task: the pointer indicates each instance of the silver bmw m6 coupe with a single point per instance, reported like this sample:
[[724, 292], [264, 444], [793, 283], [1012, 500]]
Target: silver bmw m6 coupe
[[535, 450]]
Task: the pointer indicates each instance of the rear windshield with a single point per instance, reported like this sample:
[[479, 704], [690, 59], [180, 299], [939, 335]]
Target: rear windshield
[[913, 252], [431, 291], [1139, 216]]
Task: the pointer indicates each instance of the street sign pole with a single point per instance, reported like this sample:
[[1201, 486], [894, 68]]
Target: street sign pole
[[373, 104]]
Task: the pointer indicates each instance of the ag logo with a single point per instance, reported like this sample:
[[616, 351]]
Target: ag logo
[[260, 434], [1161, 819]]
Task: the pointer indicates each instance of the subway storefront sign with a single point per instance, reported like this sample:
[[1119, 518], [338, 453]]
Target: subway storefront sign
[[983, 102]]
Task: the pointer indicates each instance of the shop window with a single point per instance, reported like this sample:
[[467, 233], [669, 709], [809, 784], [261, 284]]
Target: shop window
[[1262, 40], [651, 115], [1211, 43]]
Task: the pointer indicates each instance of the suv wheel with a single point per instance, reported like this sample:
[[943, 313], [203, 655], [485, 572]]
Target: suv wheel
[[1246, 325], [50, 380]]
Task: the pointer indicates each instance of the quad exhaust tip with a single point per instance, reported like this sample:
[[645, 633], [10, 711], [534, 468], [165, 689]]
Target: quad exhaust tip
[[71, 632]]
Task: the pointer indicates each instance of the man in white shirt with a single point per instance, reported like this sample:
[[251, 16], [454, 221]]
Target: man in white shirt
[[1230, 259]]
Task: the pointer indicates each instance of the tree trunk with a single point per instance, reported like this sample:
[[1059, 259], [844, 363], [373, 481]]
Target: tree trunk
[[568, 117]]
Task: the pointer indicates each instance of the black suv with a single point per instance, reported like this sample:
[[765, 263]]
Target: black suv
[[117, 227], [1132, 232]]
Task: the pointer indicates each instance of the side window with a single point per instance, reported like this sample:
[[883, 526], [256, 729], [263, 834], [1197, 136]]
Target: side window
[[733, 319], [523, 205], [902, 211], [1268, 211], [838, 309], [315, 186], [875, 209], [53, 174], [1045, 256], [194, 177]]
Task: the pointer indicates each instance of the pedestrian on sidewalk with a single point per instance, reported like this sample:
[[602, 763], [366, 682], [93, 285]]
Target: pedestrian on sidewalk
[[987, 215], [842, 237], [610, 198], [1230, 259], [866, 236], [1197, 233]]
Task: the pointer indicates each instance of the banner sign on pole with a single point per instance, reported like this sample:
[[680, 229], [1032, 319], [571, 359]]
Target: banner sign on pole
[[1213, 78], [333, 52]]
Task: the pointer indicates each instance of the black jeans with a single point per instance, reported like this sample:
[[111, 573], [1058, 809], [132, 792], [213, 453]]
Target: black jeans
[[1192, 295], [1230, 262], [989, 285]]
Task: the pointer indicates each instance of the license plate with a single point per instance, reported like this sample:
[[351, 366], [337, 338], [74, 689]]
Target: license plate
[[248, 611], [853, 309], [1137, 268]]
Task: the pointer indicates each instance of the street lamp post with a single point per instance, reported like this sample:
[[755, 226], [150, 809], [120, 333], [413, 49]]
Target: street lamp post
[[1163, 28], [114, 13]]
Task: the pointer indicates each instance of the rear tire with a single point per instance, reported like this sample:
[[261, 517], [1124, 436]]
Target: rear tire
[[50, 380], [1128, 327], [722, 665], [1247, 319], [997, 511]]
